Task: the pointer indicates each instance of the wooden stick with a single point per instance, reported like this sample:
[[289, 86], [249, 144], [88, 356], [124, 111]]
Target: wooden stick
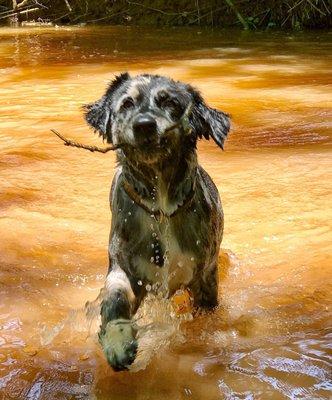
[[13, 14], [68, 6], [68, 142], [22, 4]]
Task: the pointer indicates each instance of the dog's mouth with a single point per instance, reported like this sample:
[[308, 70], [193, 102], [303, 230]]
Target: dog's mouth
[[154, 142], [152, 145], [150, 150], [149, 141], [158, 145]]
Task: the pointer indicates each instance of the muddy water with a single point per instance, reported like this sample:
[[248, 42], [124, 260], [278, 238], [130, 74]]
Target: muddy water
[[270, 338]]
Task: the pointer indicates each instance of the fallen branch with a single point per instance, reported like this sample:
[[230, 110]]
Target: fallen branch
[[68, 142], [13, 14], [22, 4], [316, 8], [68, 6]]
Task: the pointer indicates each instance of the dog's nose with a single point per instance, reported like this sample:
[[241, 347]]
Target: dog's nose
[[144, 125]]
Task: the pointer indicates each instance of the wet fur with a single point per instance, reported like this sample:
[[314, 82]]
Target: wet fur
[[174, 252]]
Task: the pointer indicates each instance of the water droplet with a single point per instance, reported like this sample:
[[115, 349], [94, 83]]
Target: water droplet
[[152, 260], [198, 242], [148, 287], [152, 215], [132, 202], [120, 209], [152, 245], [195, 210], [192, 259], [125, 220], [129, 213], [157, 251], [139, 283]]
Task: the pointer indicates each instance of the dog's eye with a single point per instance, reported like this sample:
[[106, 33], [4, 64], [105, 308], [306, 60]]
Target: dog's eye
[[165, 101], [127, 104], [170, 103]]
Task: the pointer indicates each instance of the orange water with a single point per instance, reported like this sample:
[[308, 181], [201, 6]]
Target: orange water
[[270, 338]]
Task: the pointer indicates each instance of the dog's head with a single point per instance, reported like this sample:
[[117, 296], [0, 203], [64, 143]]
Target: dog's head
[[151, 116]]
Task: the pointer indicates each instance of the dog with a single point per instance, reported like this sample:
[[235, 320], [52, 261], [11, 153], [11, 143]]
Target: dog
[[167, 218]]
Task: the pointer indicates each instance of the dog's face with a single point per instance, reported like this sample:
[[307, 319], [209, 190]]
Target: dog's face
[[151, 116]]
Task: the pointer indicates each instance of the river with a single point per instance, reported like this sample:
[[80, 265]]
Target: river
[[271, 336]]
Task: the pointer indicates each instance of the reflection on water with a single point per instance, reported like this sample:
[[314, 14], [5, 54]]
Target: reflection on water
[[270, 337]]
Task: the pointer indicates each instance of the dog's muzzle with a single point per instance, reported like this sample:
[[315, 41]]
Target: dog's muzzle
[[145, 128]]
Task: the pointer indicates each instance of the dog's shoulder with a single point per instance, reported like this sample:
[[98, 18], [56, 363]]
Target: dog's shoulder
[[208, 186], [115, 184]]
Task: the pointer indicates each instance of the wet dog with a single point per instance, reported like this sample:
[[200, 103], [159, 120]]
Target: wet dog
[[167, 220]]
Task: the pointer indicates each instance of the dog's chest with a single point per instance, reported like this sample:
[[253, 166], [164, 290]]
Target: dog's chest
[[163, 259]]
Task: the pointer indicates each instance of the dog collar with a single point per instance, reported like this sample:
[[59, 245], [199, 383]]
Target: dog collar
[[158, 214]]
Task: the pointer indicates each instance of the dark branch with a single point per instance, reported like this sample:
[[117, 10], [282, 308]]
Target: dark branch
[[68, 142]]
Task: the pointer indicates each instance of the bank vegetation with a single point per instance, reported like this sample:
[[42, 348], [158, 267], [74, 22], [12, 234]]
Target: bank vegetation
[[247, 14]]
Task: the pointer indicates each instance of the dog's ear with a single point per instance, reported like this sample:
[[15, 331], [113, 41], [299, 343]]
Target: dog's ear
[[99, 114], [208, 122]]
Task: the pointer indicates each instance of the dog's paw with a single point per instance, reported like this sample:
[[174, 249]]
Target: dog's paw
[[119, 344]]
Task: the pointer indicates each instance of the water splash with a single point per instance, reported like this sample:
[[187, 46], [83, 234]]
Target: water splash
[[158, 326]]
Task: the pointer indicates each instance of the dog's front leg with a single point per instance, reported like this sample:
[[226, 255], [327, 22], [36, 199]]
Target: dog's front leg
[[205, 287], [117, 335]]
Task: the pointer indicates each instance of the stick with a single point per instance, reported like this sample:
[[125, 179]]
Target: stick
[[68, 6], [25, 7], [22, 4], [68, 142], [20, 12]]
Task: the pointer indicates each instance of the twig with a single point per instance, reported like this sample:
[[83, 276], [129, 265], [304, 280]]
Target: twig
[[68, 142], [21, 12], [22, 4], [62, 16], [15, 11], [289, 12], [68, 5], [327, 9], [295, 5], [316, 8], [103, 18], [41, 5], [198, 12]]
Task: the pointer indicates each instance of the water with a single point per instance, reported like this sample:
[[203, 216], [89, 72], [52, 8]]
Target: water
[[271, 337]]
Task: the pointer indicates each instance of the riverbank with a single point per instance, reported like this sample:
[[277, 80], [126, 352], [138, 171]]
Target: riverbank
[[245, 14]]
